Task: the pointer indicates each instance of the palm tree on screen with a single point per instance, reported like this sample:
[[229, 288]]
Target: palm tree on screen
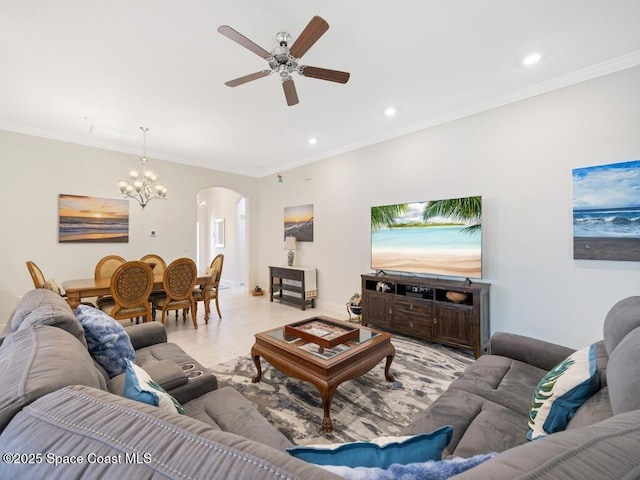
[[386, 216], [466, 210]]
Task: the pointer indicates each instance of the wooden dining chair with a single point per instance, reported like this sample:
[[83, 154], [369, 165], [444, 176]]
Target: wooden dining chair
[[36, 275], [158, 265], [131, 284], [105, 268], [40, 281], [215, 270], [178, 281]]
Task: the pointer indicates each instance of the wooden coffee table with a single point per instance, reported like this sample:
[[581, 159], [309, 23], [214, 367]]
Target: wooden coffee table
[[326, 368]]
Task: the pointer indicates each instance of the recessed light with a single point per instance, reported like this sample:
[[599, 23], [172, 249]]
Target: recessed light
[[531, 59], [312, 141], [390, 111]]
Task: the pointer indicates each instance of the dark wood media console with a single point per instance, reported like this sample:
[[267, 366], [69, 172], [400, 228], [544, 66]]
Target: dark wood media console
[[442, 311]]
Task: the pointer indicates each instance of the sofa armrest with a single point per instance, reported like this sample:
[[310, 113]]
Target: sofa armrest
[[146, 334], [541, 354]]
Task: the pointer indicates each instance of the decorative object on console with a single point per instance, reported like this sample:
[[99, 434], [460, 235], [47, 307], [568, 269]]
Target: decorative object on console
[[284, 60], [291, 245], [354, 306], [456, 297], [92, 219], [142, 185]]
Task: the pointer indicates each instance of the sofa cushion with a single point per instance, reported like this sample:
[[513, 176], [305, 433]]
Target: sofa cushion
[[562, 391], [479, 425], [608, 449], [379, 452], [621, 319], [138, 385], [226, 409], [44, 307], [107, 340], [501, 380], [145, 442], [37, 360], [594, 410], [623, 374]]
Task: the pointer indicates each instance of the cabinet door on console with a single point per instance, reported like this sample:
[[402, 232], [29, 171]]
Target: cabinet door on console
[[453, 325], [376, 309]]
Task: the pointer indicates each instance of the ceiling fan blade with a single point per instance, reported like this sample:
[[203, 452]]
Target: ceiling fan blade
[[290, 92], [240, 39], [310, 35], [247, 78], [325, 74]]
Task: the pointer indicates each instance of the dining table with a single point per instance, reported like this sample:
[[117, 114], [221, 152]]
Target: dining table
[[81, 288]]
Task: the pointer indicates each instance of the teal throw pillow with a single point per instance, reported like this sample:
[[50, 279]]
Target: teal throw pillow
[[107, 340], [431, 470], [561, 392], [139, 386], [381, 452]]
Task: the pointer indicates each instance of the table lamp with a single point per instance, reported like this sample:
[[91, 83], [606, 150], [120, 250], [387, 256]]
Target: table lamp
[[291, 245]]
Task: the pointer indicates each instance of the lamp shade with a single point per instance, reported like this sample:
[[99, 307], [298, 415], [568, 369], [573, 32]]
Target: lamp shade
[[290, 243]]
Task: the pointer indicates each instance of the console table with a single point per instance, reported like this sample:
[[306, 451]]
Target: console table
[[299, 288], [450, 312]]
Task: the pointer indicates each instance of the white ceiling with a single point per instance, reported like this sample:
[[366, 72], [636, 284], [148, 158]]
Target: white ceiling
[[116, 65]]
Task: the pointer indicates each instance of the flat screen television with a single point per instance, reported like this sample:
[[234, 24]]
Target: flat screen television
[[436, 237]]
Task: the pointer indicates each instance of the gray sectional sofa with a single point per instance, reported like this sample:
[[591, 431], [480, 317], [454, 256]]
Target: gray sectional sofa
[[489, 408], [62, 417]]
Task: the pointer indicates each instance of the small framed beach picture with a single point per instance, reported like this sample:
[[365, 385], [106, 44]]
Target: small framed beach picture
[[92, 219], [298, 222], [606, 212]]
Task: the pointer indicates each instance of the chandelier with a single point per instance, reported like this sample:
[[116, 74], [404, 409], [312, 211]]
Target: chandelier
[[142, 185]]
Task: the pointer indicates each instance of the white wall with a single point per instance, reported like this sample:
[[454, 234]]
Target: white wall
[[34, 171], [520, 159]]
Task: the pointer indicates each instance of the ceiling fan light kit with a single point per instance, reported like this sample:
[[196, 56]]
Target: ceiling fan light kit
[[285, 60]]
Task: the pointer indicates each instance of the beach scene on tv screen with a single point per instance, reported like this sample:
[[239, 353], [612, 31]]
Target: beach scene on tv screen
[[437, 237]]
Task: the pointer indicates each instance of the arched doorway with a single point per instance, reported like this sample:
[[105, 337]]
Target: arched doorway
[[221, 228]]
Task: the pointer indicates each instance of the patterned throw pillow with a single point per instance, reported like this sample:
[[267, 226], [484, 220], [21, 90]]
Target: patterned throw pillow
[[561, 392], [381, 452], [107, 341], [139, 386]]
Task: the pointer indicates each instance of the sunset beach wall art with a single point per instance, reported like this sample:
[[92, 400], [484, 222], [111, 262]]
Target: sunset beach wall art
[[93, 219], [298, 221], [606, 212], [438, 237]]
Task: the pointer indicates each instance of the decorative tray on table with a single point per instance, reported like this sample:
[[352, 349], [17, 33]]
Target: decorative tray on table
[[321, 331]]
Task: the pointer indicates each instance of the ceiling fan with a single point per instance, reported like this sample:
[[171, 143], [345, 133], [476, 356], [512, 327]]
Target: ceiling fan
[[284, 60]]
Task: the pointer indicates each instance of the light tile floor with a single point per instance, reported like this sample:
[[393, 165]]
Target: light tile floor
[[243, 315]]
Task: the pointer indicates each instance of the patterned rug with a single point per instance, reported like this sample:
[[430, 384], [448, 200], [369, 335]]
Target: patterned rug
[[363, 408]]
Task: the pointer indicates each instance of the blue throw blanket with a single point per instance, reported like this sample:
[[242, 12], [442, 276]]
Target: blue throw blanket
[[432, 470]]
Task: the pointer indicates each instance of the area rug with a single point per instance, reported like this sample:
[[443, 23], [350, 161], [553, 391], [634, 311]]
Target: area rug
[[363, 408]]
